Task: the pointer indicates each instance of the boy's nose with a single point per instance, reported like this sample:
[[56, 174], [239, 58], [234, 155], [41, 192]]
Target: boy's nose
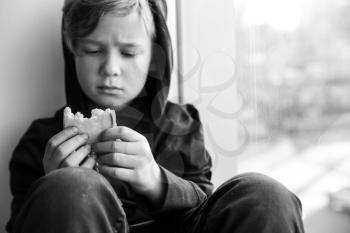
[[111, 66]]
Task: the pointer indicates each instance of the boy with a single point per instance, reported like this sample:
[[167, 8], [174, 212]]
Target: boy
[[153, 169]]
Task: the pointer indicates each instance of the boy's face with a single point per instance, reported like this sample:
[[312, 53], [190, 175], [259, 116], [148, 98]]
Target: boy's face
[[113, 61]]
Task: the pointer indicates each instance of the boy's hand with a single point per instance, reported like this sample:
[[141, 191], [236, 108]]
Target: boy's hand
[[67, 149], [125, 155]]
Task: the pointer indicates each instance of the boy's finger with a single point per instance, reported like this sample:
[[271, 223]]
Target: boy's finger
[[62, 136], [59, 138], [129, 148], [89, 163], [120, 132], [67, 147], [72, 144], [119, 173], [119, 160], [76, 157]]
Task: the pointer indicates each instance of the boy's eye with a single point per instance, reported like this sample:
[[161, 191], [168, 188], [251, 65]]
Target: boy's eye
[[89, 50], [129, 53], [92, 51]]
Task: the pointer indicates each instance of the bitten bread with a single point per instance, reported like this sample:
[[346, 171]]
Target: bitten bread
[[99, 121]]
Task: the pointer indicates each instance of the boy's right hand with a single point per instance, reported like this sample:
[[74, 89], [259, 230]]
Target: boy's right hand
[[68, 148]]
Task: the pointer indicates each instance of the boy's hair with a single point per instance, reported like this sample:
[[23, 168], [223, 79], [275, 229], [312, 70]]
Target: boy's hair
[[80, 17]]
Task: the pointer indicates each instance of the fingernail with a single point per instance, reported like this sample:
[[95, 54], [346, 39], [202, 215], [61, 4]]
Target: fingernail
[[88, 147], [74, 129], [85, 136]]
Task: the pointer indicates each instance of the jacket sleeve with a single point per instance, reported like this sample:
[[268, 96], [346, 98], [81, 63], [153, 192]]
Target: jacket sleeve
[[186, 168], [26, 165]]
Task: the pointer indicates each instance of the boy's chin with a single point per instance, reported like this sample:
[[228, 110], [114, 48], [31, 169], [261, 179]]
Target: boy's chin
[[116, 105]]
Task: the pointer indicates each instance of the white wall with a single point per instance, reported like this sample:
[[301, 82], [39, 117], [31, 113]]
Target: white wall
[[31, 72]]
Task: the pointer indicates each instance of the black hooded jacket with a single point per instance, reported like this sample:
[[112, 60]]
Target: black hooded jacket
[[174, 133]]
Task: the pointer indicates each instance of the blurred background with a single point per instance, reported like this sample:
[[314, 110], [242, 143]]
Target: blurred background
[[270, 77]]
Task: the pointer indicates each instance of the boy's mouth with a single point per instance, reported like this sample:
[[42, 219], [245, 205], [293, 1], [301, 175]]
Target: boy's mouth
[[112, 90]]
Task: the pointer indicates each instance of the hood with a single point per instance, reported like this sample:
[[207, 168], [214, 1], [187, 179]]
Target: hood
[[152, 100]]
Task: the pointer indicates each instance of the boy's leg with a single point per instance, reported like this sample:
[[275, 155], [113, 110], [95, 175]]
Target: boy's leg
[[72, 200], [249, 203]]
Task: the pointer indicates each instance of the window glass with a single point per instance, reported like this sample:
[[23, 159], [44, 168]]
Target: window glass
[[292, 59]]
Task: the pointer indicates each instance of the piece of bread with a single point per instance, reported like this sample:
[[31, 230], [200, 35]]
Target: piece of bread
[[100, 120]]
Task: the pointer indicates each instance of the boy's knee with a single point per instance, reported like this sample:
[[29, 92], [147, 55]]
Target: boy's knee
[[73, 177], [259, 192], [75, 184], [258, 199], [69, 197]]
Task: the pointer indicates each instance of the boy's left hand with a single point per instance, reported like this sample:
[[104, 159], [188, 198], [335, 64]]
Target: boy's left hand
[[125, 155]]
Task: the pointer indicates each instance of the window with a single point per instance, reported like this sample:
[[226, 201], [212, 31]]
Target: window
[[272, 82], [292, 58]]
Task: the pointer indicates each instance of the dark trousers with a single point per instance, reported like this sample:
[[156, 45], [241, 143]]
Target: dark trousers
[[74, 200]]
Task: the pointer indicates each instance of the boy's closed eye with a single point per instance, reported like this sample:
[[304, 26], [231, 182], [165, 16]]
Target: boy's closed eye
[[92, 51], [89, 50], [128, 53]]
